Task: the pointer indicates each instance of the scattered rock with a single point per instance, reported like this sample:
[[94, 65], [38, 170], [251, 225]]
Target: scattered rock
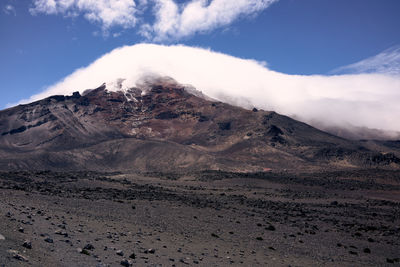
[[88, 247], [61, 232], [27, 244], [270, 228], [20, 257], [21, 230], [224, 126], [367, 250], [395, 260], [259, 238], [151, 251], [49, 240], [132, 256], [120, 253], [183, 261], [389, 260], [17, 256], [126, 263], [83, 251], [2, 237]]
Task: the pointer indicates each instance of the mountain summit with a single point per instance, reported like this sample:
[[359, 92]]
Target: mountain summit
[[162, 125]]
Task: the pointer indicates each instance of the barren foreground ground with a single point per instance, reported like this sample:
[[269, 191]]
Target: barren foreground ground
[[204, 219]]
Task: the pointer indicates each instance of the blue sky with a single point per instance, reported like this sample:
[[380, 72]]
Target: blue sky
[[40, 43]]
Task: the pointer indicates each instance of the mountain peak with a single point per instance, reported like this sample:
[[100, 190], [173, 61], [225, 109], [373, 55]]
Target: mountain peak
[[163, 125]]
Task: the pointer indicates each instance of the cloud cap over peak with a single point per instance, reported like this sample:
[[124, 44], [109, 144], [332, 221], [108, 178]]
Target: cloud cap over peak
[[363, 100]]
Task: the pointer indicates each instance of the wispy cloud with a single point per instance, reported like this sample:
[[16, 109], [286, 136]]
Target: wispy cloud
[[107, 13], [347, 101], [172, 20], [9, 10], [386, 62]]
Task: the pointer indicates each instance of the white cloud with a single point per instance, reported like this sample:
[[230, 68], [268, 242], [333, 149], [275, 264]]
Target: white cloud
[[386, 62], [362, 100], [175, 21], [172, 20], [9, 10], [107, 13]]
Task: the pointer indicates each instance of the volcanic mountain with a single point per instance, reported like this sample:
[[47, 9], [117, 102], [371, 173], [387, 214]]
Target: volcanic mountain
[[166, 126]]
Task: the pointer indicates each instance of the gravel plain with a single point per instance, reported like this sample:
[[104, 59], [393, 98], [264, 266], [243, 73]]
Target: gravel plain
[[200, 219]]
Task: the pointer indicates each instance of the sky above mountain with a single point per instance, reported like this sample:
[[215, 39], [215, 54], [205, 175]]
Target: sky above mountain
[[44, 41]]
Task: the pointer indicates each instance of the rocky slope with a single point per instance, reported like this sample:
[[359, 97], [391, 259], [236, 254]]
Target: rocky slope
[[164, 126]]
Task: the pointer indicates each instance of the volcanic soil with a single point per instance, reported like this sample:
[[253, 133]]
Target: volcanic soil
[[206, 218]]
